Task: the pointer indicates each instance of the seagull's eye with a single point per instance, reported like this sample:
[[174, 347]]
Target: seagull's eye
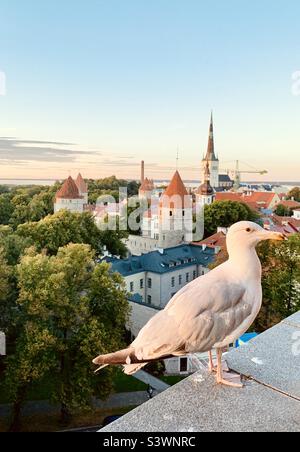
[[248, 229]]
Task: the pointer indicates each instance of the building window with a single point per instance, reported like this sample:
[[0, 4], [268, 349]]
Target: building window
[[141, 284], [171, 213], [149, 299], [187, 277], [180, 279], [183, 213], [149, 283], [194, 274], [173, 282], [183, 365], [131, 287]]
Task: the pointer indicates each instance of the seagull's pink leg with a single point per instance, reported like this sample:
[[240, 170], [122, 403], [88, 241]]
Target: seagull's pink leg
[[211, 366], [220, 379]]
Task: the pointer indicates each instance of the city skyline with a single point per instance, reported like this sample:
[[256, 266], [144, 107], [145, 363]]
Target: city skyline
[[99, 89]]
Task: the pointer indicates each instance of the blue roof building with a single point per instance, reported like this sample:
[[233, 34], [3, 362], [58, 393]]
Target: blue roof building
[[154, 278]]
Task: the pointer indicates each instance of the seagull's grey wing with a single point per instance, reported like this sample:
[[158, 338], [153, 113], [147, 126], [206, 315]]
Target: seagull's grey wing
[[202, 314]]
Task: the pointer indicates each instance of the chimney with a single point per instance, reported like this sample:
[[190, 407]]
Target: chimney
[[142, 172]]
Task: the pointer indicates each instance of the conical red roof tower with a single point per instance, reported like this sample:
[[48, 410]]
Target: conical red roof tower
[[68, 190]]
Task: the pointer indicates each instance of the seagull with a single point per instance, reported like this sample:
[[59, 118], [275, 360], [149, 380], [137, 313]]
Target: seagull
[[211, 312]]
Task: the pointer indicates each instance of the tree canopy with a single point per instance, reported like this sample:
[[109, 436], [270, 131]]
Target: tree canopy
[[71, 310], [225, 214], [294, 194]]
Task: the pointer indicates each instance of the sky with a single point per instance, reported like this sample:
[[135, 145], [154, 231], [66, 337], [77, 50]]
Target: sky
[[97, 86]]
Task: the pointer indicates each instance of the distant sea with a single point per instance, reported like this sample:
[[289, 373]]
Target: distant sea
[[27, 181], [161, 181]]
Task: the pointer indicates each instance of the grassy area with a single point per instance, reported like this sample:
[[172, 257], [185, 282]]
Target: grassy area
[[50, 422], [41, 391], [126, 383], [172, 380], [122, 383]]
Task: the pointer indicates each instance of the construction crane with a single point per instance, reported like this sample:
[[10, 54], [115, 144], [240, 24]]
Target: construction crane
[[237, 174]]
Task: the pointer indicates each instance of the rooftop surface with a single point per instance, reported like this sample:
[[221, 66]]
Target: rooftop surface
[[269, 402], [180, 257]]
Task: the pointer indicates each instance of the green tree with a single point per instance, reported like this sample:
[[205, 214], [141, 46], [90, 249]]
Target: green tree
[[13, 245], [226, 213], [294, 194], [283, 211], [60, 229], [71, 310], [6, 209], [5, 275], [281, 281]]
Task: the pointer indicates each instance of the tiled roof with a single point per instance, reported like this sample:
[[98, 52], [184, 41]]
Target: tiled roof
[[228, 196], [81, 185], [261, 197], [290, 204], [175, 189], [256, 200], [147, 185], [215, 240], [290, 222], [68, 190], [171, 259]]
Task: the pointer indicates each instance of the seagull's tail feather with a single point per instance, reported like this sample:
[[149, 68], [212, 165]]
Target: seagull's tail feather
[[120, 357], [127, 358], [133, 368]]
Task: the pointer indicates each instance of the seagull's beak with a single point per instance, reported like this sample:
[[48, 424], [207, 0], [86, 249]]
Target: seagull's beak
[[270, 235]]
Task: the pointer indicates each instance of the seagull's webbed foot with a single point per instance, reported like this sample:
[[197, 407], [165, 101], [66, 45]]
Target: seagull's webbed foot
[[222, 381], [220, 378]]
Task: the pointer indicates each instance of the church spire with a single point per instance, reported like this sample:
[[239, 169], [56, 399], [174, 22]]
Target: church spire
[[206, 189], [210, 154]]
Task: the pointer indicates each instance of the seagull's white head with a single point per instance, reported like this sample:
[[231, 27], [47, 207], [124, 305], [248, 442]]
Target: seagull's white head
[[246, 234]]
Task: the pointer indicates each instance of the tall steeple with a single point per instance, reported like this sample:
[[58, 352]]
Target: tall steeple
[[210, 154], [211, 159]]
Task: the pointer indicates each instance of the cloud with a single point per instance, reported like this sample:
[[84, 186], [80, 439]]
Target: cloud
[[15, 151]]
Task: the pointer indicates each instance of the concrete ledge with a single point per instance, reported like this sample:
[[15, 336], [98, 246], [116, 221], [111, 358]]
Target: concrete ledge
[[197, 404], [269, 402]]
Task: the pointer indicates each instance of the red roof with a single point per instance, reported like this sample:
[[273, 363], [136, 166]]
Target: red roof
[[290, 204], [284, 221], [176, 188], [256, 200], [147, 185], [228, 196], [68, 190], [81, 185], [216, 240]]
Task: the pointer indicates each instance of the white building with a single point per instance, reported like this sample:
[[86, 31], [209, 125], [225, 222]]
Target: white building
[[296, 214], [69, 198], [167, 223], [154, 278], [82, 188]]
